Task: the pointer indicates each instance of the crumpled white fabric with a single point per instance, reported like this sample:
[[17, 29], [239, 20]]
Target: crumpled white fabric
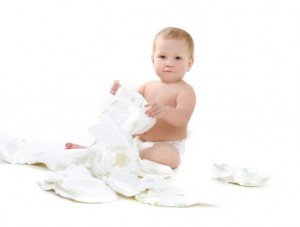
[[77, 183], [159, 191], [128, 112], [112, 166], [240, 175]]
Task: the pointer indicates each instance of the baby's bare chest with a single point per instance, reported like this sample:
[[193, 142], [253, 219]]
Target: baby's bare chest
[[164, 95]]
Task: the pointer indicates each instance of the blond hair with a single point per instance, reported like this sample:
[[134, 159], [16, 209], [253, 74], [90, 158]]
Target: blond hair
[[175, 33]]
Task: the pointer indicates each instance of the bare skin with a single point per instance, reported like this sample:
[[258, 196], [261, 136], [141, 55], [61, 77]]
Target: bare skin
[[171, 101], [74, 146]]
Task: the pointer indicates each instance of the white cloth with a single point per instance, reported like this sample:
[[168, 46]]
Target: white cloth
[[112, 165], [240, 175]]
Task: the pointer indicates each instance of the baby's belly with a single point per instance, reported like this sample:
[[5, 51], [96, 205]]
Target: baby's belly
[[165, 134]]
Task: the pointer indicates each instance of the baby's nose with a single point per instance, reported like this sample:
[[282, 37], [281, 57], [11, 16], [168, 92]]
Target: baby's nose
[[169, 63]]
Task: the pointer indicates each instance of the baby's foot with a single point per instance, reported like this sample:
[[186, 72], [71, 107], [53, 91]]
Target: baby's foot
[[73, 146]]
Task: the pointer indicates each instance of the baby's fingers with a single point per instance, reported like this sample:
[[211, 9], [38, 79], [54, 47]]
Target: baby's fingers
[[115, 87], [117, 83], [152, 109], [150, 104]]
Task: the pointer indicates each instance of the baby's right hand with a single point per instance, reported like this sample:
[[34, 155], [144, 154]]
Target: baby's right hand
[[115, 87]]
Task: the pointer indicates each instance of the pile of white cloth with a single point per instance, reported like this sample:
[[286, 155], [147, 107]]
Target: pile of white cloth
[[111, 166]]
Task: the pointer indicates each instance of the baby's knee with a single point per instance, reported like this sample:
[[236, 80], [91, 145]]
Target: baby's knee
[[163, 153], [169, 154], [174, 156]]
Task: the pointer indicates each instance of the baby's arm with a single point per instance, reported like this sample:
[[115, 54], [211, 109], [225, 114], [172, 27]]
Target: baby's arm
[[178, 116], [141, 89]]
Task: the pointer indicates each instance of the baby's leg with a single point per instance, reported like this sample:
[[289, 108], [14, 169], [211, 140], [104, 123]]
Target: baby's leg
[[163, 153]]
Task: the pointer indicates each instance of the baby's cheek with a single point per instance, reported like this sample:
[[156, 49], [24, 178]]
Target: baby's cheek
[[159, 62]]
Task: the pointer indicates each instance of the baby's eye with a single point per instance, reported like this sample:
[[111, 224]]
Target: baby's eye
[[178, 58], [162, 56]]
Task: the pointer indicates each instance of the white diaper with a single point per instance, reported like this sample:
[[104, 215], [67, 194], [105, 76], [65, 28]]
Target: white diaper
[[112, 165], [142, 144]]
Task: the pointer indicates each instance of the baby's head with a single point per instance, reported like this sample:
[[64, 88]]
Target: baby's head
[[177, 34]]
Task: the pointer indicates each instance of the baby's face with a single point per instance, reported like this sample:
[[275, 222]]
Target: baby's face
[[171, 59]]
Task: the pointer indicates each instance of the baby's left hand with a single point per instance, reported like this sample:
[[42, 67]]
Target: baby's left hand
[[155, 110]]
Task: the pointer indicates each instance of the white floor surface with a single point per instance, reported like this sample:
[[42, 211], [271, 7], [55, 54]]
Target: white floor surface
[[59, 58]]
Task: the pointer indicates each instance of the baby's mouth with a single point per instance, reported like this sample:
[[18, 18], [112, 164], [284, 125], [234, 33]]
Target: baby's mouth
[[168, 71]]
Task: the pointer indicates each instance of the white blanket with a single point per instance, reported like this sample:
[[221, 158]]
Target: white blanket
[[111, 166]]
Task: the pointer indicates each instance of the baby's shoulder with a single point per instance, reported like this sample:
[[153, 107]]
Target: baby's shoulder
[[184, 85], [151, 84], [186, 90]]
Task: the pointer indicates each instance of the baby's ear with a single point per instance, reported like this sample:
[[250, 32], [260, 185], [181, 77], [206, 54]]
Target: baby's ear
[[190, 64], [152, 59]]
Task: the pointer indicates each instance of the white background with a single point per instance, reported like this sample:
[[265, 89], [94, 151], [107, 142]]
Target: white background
[[59, 58]]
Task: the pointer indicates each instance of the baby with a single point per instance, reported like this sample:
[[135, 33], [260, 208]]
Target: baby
[[170, 100]]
